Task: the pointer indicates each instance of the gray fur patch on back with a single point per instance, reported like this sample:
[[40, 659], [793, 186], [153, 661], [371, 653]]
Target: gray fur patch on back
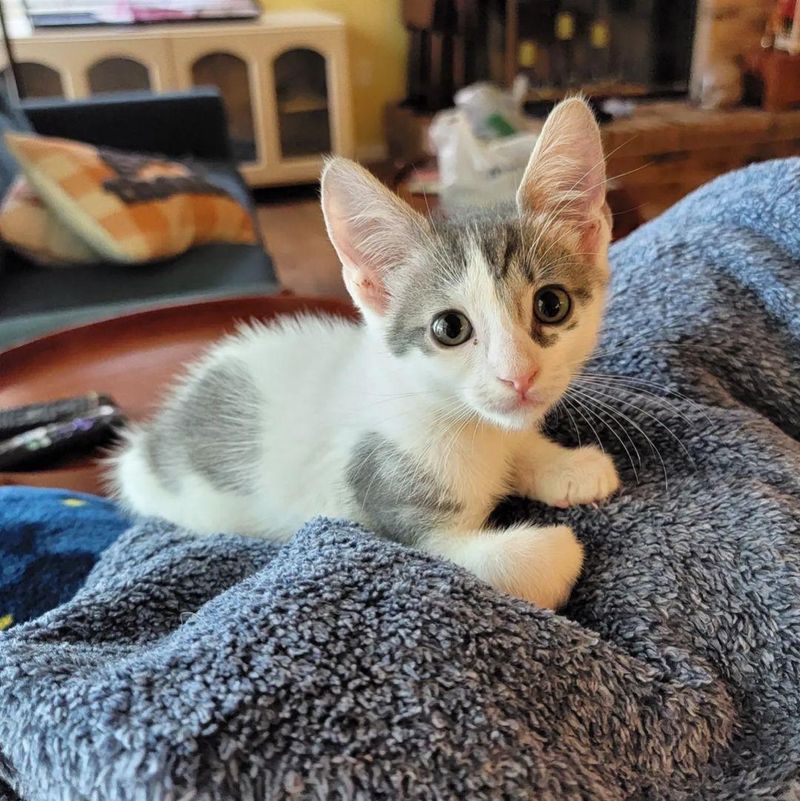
[[213, 429], [161, 452], [400, 501]]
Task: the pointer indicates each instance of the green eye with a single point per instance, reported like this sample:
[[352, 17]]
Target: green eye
[[551, 305], [451, 328]]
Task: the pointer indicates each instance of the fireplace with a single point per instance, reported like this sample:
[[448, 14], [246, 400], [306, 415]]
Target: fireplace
[[640, 48], [604, 47]]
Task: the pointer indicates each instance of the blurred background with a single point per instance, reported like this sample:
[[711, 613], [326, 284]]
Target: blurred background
[[441, 98]]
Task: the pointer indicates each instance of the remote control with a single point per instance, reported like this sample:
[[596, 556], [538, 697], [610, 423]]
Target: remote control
[[47, 446], [23, 418]]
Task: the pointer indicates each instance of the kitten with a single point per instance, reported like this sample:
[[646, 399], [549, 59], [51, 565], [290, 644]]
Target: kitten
[[419, 420]]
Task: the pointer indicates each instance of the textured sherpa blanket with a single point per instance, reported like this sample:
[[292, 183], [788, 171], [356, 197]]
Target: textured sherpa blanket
[[340, 666]]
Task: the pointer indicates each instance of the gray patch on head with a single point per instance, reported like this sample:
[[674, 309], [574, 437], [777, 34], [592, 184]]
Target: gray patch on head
[[517, 252], [422, 288], [212, 429], [554, 263], [400, 339], [442, 263], [399, 500], [500, 244], [451, 257]]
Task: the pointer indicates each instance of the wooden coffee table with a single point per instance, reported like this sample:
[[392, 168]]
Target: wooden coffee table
[[132, 358]]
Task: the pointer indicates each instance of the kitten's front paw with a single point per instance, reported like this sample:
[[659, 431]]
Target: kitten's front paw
[[582, 475]]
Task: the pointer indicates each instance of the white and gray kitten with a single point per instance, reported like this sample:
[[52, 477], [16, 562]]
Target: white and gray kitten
[[417, 421]]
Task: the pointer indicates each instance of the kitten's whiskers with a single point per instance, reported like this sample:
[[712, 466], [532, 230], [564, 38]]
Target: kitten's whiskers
[[588, 382], [646, 414], [602, 418], [590, 399]]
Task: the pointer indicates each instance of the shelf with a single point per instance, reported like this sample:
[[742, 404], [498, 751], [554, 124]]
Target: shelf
[[598, 89], [302, 105]]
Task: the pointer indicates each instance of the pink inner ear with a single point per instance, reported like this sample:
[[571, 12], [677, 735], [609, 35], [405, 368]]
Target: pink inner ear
[[579, 189], [361, 279], [574, 191], [566, 174], [591, 210], [370, 227], [370, 292], [590, 237]]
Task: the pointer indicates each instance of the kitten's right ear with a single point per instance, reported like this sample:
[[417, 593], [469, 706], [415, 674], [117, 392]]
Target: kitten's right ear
[[566, 176], [371, 228]]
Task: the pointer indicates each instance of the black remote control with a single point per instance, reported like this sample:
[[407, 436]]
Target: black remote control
[[47, 446], [24, 418]]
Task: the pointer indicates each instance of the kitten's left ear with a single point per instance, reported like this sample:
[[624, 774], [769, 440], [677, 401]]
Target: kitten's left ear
[[371, 228], [566, 175]]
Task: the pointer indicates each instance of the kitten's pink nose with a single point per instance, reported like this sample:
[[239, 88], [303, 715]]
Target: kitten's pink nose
[[521, 383]]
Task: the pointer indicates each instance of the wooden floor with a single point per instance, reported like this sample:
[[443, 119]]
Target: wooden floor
[[294, 233]]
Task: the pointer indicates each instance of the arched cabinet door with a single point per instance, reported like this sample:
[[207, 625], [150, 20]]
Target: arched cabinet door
[[118, 74], [38, 80], [227, 63], [302, 103], [92, 62], [306, 95], [231, 75]]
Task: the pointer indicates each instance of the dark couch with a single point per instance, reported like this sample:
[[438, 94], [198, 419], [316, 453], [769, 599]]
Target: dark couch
[[34, 300]]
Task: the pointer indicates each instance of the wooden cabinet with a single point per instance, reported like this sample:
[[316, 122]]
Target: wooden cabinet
[[284, 80], [232, 64]]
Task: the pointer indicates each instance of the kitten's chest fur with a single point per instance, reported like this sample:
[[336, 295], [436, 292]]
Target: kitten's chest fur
[[240, 446]]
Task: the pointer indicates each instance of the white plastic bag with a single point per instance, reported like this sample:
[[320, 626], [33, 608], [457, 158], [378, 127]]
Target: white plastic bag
[[475, 171], [484, 102]]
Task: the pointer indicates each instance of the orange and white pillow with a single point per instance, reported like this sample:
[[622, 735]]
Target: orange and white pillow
[[33, 230], [77, 203]]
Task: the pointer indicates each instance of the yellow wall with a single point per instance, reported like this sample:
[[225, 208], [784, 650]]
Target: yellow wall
[[377, 43]]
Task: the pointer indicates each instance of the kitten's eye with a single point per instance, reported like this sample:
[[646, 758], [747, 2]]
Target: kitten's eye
[[451, 328], [551, 305]]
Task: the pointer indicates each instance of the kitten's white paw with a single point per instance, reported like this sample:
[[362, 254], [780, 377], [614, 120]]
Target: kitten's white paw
[[581, 475], [540, 565]]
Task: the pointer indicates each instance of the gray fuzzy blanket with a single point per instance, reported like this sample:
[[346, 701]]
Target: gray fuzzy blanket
[[344, 667]]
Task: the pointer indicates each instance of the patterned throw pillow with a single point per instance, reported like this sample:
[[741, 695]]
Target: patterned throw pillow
[[29, 227], [126, 207]]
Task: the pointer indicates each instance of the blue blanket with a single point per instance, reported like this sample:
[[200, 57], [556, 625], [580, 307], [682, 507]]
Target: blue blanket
[[49, 541], [341, 666]]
